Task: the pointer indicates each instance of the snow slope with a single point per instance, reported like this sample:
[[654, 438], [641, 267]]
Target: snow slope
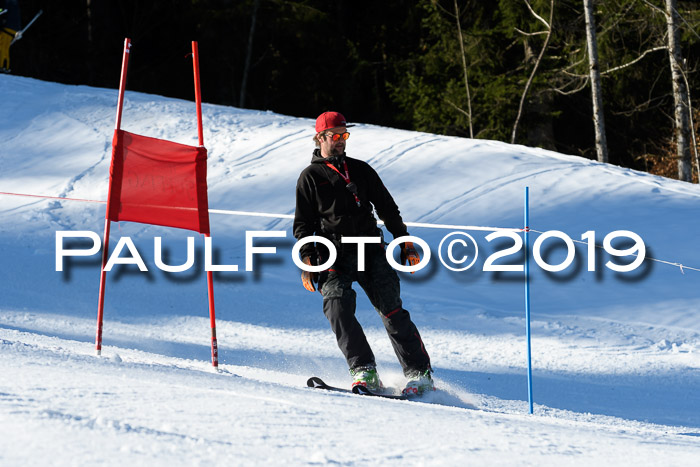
[[616, 356]]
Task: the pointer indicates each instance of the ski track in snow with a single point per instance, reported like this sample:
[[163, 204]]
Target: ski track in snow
[[185, 410], [616, 360]]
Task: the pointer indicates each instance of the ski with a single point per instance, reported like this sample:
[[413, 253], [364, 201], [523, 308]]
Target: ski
[[363, 391], [318, 383]]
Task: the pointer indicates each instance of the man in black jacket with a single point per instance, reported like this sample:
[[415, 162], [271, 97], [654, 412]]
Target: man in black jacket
[[335, 199]]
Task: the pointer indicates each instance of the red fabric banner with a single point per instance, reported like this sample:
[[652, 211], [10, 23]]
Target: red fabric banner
[[158, 182]]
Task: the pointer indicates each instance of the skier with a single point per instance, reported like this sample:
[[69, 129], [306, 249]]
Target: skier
[[11, 30], [335, 198], [10, 23]]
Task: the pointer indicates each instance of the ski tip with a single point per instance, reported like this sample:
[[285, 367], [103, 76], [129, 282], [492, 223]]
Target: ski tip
[[315, 382]]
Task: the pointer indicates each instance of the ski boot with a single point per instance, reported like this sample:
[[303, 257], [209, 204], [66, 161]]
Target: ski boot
[[366, 376], [418, 383]]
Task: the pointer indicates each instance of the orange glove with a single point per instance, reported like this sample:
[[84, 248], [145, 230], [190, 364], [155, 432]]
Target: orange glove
[[308, 278], [409, 254]]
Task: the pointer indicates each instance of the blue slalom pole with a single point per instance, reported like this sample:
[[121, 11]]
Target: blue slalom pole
[[527, 297]]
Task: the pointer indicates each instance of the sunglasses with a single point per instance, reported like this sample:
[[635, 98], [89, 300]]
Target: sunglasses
[[336, 136]]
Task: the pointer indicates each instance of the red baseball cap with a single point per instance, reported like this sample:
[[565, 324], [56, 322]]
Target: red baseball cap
[[328, 120]]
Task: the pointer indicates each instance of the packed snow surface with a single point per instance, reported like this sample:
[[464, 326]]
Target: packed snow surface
[[615, 355]]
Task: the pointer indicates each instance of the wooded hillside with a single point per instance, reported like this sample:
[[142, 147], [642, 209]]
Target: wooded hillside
[[511, 70]]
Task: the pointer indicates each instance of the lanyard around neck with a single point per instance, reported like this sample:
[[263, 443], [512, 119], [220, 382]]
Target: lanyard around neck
[[350, 186]]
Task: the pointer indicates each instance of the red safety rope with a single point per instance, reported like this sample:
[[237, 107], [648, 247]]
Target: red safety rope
[[53, 197]]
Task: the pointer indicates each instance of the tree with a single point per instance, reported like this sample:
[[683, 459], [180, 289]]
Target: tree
[[596, 90], [680, 93], [248, 54], [455, 67]]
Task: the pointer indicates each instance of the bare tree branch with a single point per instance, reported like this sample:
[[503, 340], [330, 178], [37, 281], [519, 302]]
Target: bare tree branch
[[583, 86], [466, 74], [566, 69], [574, 75], [459, 109], [663, 47], [538, 33], [619, 15], [650, 104], [651, 5], [538, 16], [690, 28], [534, 69]]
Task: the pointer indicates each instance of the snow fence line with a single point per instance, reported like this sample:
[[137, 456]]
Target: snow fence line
[[408, 224], [680, 266]]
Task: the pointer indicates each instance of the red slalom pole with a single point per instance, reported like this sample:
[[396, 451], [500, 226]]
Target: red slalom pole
[[212, 319], [122, 83], [210, 274], [197, 91], [105, 242]]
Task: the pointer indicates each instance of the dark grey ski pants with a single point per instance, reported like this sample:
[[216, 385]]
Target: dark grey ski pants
[[381, 284]]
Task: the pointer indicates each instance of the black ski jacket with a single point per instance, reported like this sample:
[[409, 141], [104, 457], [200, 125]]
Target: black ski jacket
[[326, 207]]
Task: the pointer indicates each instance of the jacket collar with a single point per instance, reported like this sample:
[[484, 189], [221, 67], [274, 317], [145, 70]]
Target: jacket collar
[[317, 158]]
